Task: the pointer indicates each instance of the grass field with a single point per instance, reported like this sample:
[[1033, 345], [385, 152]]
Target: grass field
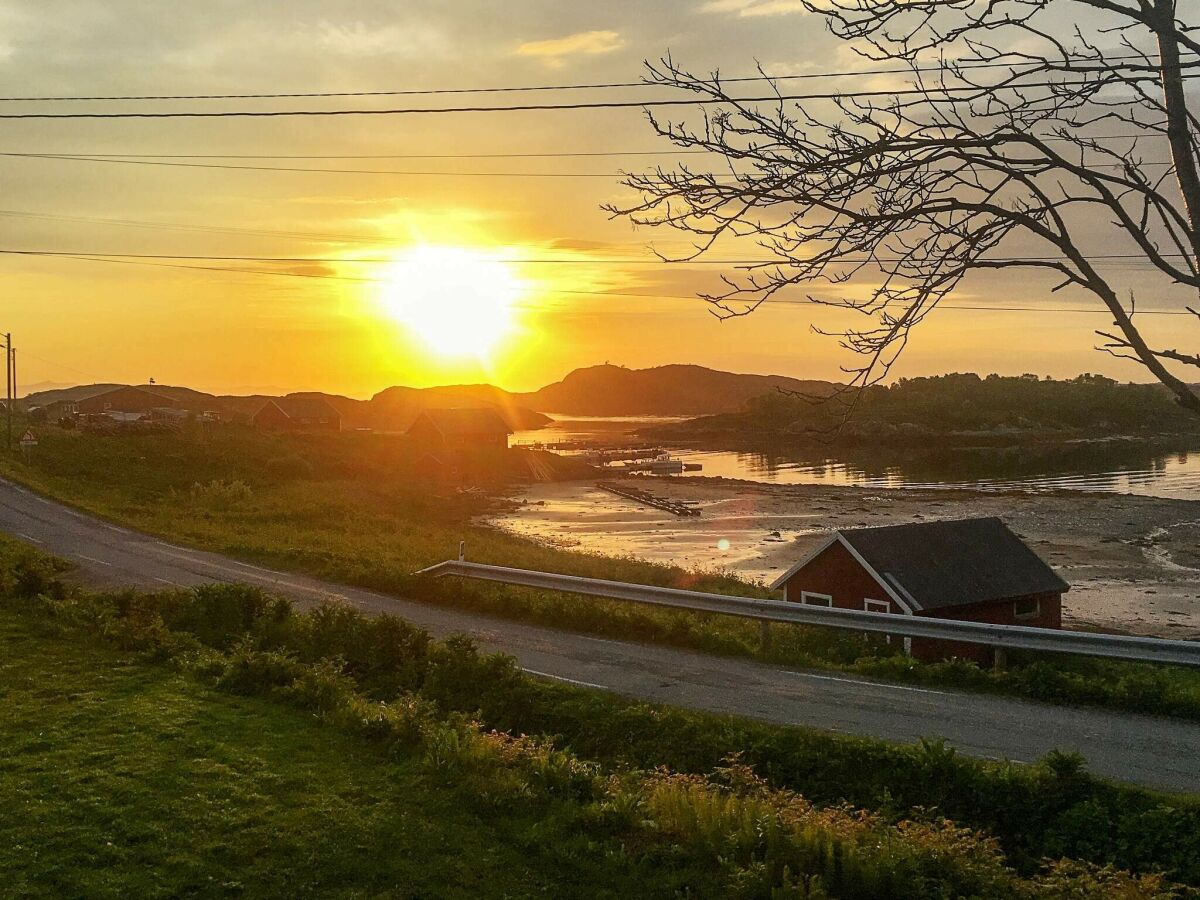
[[350, 508], [121, 779], [216, 743]]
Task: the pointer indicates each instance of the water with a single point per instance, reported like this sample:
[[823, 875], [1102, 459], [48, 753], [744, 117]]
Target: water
[[1117, 467]]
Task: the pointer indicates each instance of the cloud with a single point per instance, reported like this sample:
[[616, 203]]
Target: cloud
[[583, 43], [746, 8]]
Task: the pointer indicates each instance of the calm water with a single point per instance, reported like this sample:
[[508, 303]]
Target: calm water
[[1086, 467]]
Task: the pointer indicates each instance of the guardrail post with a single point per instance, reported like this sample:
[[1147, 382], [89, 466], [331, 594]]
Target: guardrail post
[[999, 659], [764, 636]]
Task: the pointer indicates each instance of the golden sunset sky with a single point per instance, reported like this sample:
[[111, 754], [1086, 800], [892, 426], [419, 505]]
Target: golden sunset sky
[[527, 249]]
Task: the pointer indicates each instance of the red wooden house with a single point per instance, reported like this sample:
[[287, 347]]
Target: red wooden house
[[297, 414], [969, 569]]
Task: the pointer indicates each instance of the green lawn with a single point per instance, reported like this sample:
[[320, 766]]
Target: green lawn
[[120, 779]]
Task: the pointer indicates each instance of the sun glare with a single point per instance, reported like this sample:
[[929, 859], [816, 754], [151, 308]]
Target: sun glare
[[457, 301]]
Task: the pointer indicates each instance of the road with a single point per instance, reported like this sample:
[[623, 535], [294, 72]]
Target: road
[[1154, 752]]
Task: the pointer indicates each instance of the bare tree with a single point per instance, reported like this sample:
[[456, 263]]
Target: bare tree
[[1010, 146]]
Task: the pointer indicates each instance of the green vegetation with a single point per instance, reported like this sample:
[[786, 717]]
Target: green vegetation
[[995, 409], [120, 780], [406, 775], [350, 509]]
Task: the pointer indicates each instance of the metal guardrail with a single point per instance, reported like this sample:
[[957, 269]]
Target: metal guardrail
[[1012, 637]]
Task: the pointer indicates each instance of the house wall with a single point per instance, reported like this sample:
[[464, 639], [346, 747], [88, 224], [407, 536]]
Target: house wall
[[427, 436], [996, 612], [323, 423], [271, 418], [837, 573]]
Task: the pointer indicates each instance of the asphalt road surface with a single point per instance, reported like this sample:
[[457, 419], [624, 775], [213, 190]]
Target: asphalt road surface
[[1156, 752]]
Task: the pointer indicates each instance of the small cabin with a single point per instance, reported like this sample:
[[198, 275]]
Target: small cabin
[[468, 428], [974, 570], [297, 414]]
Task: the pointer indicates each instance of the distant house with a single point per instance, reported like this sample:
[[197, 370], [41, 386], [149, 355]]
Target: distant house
[[124, 402], [297, 414], [969, 569], [460, 429]]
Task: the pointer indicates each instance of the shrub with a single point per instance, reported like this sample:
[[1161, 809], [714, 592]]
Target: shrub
[[250, 671], [219, 614], [36, 576]]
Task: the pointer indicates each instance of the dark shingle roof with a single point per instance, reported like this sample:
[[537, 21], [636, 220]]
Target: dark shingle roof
[[467, 421], [954, 562]]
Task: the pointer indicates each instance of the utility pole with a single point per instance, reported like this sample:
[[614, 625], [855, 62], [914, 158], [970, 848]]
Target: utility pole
[[8, 368]]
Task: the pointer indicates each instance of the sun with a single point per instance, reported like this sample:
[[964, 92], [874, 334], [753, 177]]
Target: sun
[[459, 302]]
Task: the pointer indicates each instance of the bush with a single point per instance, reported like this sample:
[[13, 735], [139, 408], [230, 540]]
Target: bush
[[219, 614], [37, 576]]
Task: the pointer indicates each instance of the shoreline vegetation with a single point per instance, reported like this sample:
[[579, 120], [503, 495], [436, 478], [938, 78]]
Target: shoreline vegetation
[[582, 786], [960, 410], [347, 508]]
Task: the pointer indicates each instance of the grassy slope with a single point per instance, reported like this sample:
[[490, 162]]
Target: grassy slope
[[121, 779], [346, 507], [151, 773]]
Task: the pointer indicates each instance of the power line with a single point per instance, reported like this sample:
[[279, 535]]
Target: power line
[[407, 172], [562, 155], [202, 229], [1147, 58], [326, 171], [541, 107], [541, 261], [546, 155], [690, 299]]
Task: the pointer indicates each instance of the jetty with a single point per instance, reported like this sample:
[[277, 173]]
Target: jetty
[[675, 507]]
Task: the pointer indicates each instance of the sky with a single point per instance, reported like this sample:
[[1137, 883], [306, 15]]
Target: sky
[[231, 328]]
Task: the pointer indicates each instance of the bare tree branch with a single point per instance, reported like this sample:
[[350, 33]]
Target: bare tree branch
[[1010, 169]]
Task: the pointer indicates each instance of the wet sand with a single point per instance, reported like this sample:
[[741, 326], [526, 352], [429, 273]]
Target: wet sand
[[1133, 562]]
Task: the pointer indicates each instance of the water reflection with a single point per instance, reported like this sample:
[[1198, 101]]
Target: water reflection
[[1118, 466]]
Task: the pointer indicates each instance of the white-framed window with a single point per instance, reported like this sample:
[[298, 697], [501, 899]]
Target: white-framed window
[[1027, 608], [879, 606], [813, 599]]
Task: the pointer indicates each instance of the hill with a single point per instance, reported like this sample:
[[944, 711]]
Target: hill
[[392, 409], [680, 390]]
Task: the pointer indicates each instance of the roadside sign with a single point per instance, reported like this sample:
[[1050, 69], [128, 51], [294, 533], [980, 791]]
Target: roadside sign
[[28, 441]]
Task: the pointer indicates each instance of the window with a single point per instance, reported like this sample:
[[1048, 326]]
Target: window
[[811, 599], [1027, 608], [877, 606]]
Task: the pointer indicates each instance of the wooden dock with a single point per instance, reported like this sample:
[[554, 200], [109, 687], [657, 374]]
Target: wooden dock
[[674, 507]]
